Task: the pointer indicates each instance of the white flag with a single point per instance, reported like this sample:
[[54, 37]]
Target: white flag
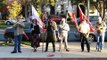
[[35, 15]]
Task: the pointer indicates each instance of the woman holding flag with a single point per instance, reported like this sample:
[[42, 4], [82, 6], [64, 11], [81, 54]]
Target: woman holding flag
[[35, 36]]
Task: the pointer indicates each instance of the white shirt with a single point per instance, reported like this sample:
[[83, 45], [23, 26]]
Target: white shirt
[[64, 28], [84, 28]]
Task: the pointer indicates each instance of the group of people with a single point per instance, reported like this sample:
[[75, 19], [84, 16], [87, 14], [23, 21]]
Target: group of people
[[100, 29], [52, 34], [60, 32]]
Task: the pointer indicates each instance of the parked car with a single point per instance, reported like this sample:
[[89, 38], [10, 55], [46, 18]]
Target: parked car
[[11, 21], [57, 19], [92, 36], [9, 32], [23, 19]]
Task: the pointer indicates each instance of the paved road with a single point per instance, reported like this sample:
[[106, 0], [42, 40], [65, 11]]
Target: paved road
[[74, 47], [2, 34]]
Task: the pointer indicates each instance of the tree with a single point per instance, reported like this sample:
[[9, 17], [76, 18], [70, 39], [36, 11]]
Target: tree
[[14, 9], [3, 11], [37, 5], [25, 7], [2, 3], [52, 2], [101, 6], [77, 1]]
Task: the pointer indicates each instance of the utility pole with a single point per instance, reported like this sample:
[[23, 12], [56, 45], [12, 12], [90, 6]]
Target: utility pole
[[88, 7]]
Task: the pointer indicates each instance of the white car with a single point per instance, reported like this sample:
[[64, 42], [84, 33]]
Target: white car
[[23, 19], [11, 21]]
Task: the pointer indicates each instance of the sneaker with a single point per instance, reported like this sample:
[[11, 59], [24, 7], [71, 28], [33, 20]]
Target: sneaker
[[88, 51], [45, 51], [13, 52], [53, 50], [82, 51], [59, 50], [99, 50], [20, 51], [34, 50], [67, 50]]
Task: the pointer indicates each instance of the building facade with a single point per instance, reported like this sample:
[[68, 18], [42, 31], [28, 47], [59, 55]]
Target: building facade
[[61, 7]]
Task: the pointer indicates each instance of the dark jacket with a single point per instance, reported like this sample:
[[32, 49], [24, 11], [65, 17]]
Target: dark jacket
[[35, 41], [36, 30], [50, 32]]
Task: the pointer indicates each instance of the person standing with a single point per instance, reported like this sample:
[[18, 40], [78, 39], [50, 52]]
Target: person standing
[[35, 36], [50, 35], [101, 29], [84, 30], [55, 30], [18, 34], [63, 34]]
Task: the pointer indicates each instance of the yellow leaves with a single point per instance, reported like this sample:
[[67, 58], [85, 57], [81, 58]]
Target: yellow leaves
[[14, 3], [4, 1], [52, 2], [14, 9], [8, 7]]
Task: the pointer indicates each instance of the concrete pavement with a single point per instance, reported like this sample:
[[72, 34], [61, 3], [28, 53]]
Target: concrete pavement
[[74, 47]]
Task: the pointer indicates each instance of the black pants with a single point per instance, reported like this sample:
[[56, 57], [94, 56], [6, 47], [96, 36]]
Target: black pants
[[83, 41], [47, 43], [50, 38]]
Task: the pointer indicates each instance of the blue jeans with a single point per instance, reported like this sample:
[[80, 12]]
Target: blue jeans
[[17, 42], [100, 41]]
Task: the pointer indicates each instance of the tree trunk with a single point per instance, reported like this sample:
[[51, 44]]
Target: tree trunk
[[26, 12], [100, 6]]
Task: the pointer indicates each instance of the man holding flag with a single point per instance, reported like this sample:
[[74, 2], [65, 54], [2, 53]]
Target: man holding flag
[[82, 16], [84, 30], [81, 26], [87, 28]]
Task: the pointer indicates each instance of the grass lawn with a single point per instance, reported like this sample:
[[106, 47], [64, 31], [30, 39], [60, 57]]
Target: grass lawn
[[24, 43], [3, 25]]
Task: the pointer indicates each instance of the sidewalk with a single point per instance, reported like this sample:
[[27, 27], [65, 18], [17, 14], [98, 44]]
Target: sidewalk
[[75, 52]]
